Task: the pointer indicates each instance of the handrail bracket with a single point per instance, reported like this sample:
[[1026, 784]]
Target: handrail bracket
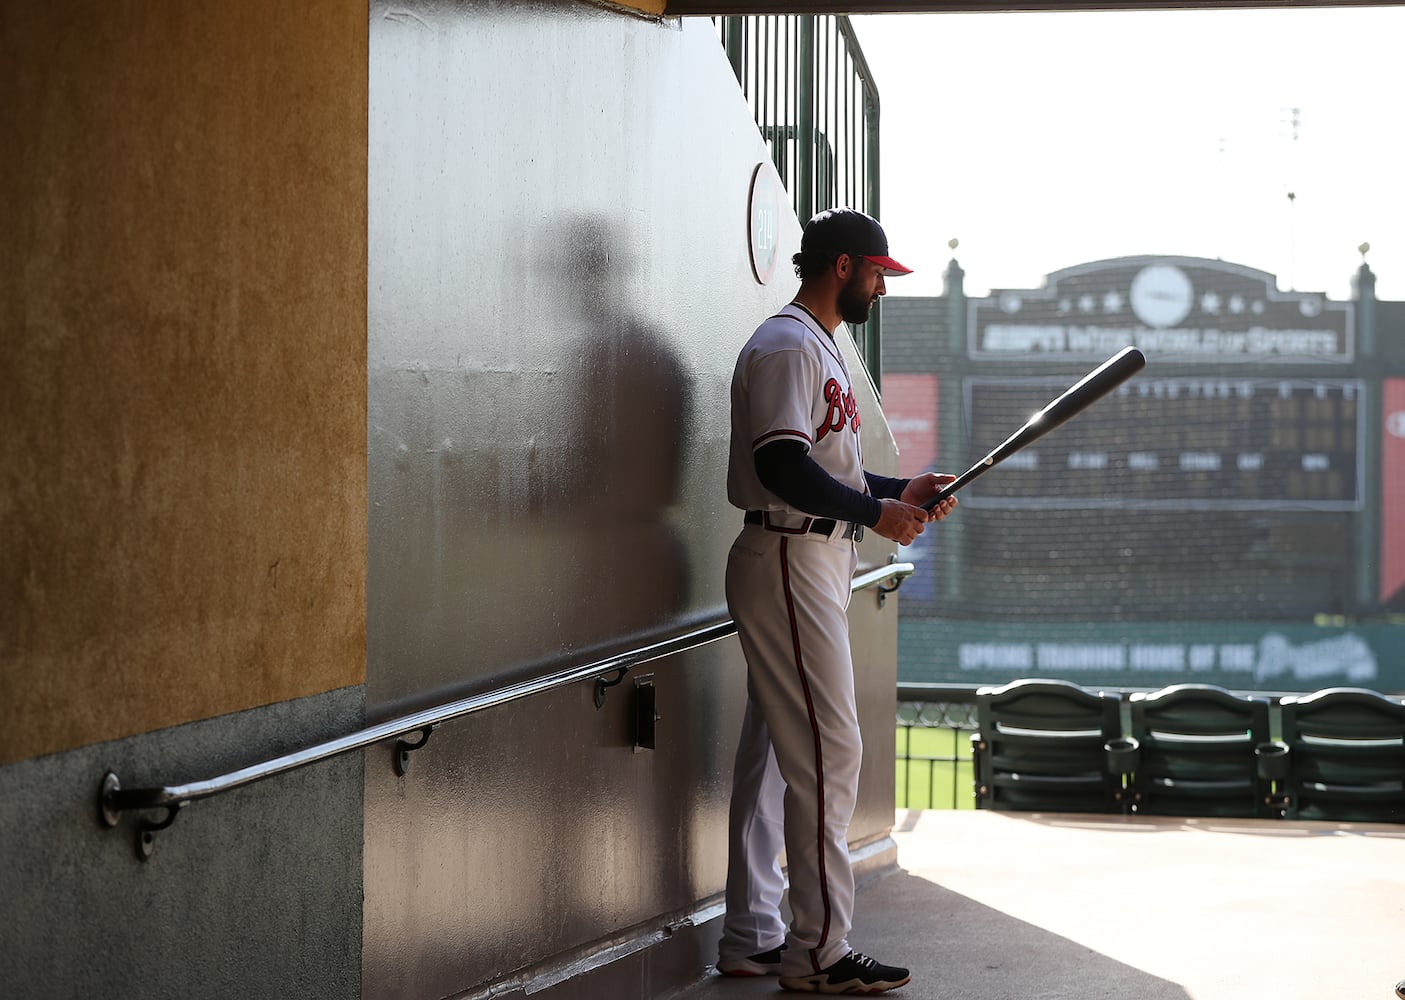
[[110, 810], [403, 748], [601, 686], [108, 814], [886, 588]]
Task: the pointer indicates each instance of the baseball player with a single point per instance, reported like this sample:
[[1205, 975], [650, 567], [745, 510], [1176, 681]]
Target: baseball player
[[796, 469]]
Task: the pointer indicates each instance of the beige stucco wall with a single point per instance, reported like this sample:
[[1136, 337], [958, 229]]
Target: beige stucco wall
[[182, 381]]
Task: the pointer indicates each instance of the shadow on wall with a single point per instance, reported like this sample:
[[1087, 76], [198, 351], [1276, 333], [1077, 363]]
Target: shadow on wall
[[618, 482], [525, 507]]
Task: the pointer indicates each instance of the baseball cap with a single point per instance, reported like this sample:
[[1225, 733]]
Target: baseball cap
[[847, 230]]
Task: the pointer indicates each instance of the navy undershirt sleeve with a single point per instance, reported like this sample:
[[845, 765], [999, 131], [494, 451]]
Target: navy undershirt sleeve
[[885, 487], [787, 470]]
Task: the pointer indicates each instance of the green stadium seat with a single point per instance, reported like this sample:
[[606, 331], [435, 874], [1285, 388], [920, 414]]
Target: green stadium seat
[[1048, 745], [1347, 753], [1205, 751]]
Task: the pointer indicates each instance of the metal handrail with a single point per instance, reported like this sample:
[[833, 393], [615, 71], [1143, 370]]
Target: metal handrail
[[113, 799]]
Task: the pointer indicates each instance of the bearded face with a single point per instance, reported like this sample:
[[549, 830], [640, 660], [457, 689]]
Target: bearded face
[[857, 296]]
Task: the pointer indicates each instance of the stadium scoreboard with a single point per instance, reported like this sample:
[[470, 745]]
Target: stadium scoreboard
[[1175, 443]]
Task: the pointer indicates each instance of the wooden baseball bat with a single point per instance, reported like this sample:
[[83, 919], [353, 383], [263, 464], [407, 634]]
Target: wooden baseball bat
[[1077, 398]]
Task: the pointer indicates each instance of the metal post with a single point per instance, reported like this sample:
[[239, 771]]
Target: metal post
[[805, 121], [732, 28], [1368, 531], [951, 431], [873, 341]]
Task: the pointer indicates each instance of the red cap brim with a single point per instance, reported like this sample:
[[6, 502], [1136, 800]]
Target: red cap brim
[[891, 268]]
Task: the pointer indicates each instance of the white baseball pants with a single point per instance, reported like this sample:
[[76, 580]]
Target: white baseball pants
[[797, 769]]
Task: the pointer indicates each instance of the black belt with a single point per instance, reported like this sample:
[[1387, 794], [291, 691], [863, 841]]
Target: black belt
[[819, 525]]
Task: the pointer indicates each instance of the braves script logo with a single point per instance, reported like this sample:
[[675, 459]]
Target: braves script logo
[[843, 408]]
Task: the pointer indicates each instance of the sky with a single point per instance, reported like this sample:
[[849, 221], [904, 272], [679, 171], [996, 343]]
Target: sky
[[1044, 140]]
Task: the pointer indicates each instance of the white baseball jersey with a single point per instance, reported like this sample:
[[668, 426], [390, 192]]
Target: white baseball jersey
[[791, 383]]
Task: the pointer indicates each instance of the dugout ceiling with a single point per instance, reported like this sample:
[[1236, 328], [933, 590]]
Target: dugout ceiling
[[685, 7]]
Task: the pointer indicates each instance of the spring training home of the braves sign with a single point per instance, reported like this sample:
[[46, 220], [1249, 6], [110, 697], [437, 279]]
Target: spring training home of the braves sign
[[1175, 307]]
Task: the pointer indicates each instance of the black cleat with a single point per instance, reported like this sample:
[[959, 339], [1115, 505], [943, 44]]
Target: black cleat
[[854, 973]]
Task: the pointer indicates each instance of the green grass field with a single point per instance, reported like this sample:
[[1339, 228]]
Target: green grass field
[[923, 784]]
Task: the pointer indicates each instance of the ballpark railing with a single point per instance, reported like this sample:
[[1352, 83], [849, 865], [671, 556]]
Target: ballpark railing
[[815, 103], [934, 769]]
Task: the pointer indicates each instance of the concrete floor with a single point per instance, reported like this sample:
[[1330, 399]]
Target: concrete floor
[[989, 906]]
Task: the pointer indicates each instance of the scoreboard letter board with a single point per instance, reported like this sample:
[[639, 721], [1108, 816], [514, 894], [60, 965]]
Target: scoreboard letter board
[[1175, 443]]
